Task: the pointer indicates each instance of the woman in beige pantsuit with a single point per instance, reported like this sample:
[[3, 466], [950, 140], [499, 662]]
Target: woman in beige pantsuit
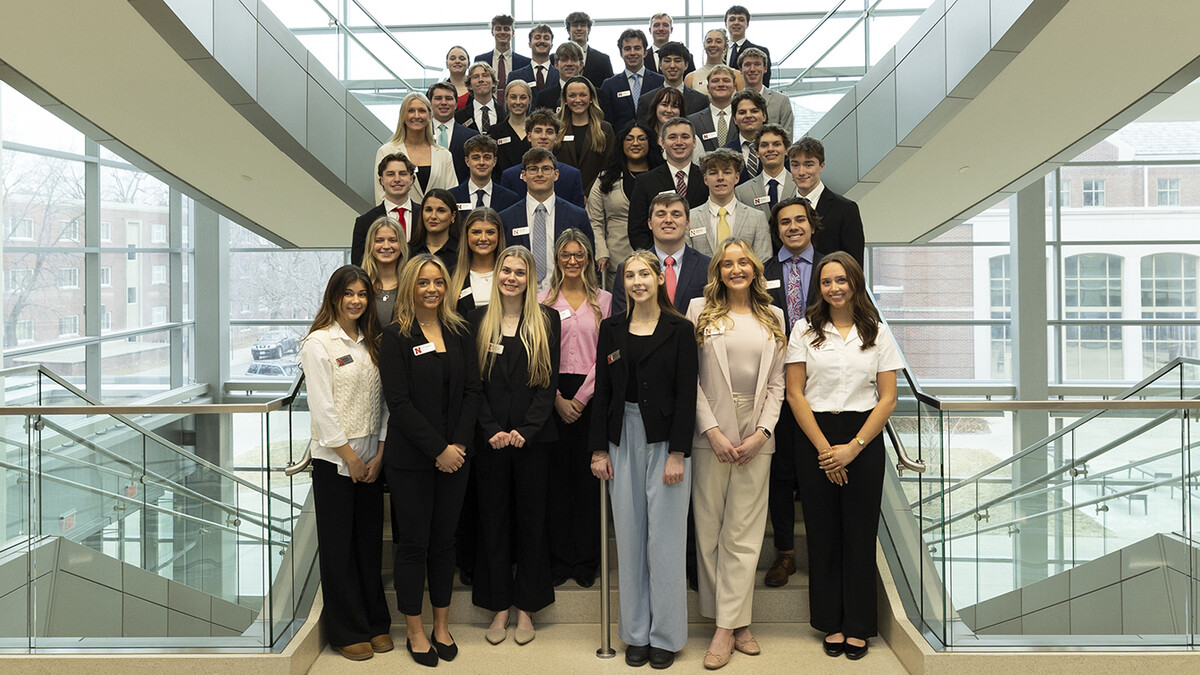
[[741, 388]]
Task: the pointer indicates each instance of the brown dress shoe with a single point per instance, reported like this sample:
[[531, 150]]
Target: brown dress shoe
[[382, 643], [359, 651], [783, 567]]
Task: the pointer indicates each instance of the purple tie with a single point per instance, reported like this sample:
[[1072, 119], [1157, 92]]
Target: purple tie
[[795, 291]]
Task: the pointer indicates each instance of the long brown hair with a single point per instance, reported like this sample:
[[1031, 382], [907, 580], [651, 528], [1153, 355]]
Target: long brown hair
[[462, 271], [649, 260], [862, 312], [368, 324], [595, 134], [716, 296]]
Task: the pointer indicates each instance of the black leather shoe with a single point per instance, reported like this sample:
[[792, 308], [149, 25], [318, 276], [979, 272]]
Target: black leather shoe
[[661, 658], [855, 653], [429, 658], [637, 656], [466, 576], [560, 579], [586, 579], [693, 580], [833, 648], [445, 652]]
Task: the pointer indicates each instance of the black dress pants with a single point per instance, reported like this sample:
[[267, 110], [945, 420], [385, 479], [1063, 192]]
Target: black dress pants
[[425, 506], [781, 497], [574, 494]]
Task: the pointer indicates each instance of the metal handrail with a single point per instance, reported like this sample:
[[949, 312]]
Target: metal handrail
[[350, 33], [862, 17], [903, 460], [821, 22]]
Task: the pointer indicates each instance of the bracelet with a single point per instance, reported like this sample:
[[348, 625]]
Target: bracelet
[[597, 458]]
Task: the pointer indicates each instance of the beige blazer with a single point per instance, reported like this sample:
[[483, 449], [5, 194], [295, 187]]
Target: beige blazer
[[441, 171], [748, 223], [609, 214], [714, 394]]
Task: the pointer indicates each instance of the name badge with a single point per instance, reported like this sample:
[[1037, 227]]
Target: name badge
[[612, 358], [772, 284], [697, 231], [424, 349], [624, 94], [709, 136], [465, 292], [345, 360], [714, 330], [765, 199], [495, 348], [564, 314], [568, 138], [502, 141], [520, 231], [668, 192], [466, 206]]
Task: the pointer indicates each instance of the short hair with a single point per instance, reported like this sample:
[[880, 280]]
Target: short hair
[[676, 121], [674, 49], [810, 211], [541, 28], [666, 199], [719, 68], [487, 68], [480, 142], [662, 15], [543, 117], [502, 20], [752, 96], [722, 158], [578, 17], [569, 50], [396, 157], [534, 156], [739, 10], [631, 34], [808, 146], [772, 129], [753, 51], [441, 85]]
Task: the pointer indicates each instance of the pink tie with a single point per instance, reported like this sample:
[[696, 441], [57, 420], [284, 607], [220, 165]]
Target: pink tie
[[671, 280], [681, 183], [399, 211]]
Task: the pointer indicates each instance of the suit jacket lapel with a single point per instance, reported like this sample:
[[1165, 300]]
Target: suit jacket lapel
[[658, 337], [721, 351]]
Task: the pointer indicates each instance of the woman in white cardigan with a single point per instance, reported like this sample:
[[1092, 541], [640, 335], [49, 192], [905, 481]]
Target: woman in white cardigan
[[414, 138]]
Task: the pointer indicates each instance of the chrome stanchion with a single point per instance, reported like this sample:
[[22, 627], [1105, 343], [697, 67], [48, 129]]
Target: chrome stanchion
[[605, 651]]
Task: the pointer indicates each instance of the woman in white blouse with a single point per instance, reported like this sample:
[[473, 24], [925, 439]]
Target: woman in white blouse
[[841, 385], [340, 361], [742, 343], [414, 138]]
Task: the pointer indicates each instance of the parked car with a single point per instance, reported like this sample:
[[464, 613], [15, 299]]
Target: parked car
[[273, 369], [275, 344]]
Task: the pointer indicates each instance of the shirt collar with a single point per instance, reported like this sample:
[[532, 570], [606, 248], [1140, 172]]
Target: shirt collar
[[714, 207], [475, 188], [767, 179], [806, 255], [716, 110], [335, 331], [641, 72], [815, 195], [388, 206], [676, 254]]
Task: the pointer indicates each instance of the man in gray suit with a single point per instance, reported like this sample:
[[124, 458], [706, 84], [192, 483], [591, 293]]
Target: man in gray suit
[[772, 142], [718, 116], [779, 107], [722, 216]]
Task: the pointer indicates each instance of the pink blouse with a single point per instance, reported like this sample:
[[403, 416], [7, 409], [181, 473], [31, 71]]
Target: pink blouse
[[580, 333]]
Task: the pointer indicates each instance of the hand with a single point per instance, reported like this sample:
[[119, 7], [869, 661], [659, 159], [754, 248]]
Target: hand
[[601, 466], [374, 467], [451, 459], [838, 477], [750, 446], [673, 471], [838, 456], [500, 440], [567, 409], [515, 439], [358, 470], [721, 446], [602, 263]]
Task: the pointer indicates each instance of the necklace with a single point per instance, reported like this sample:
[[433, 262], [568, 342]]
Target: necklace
[[427, 325]]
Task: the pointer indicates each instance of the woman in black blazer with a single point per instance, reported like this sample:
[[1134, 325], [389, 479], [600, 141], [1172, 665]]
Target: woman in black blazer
[[430, 379], [517, 343], [437, 230], [585, 139], [642, 426]]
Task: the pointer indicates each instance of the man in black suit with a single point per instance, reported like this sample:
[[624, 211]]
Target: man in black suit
[[597, 67], [479, 190], [710, 121], [749, 114], [661, 26], [678, 140], [619, 95], [672, 57], [541, 130], [396, 175], [483, 109], [539, 71], [443, 100], [668, 223], [502, 58], [737, 19], [568, 58], [841, 223]]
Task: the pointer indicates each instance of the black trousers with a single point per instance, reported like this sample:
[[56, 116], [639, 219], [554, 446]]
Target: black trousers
[[573, 522], [350, 544], [512, 484], [425, 506], [466, 538], [841, 523], [781, 497]]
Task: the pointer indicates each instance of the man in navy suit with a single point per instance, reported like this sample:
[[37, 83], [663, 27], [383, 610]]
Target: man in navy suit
[[749, 114], [737, 20], [540, 218], [661, 26], [479, 190], [502, 58], [443, 99], [668, 222], [678, 141], [568, 59], [541, 129], [620, 93], [597, 67], [539, 71], [719, 113], [672, 57], [483, 109], [841, 223]]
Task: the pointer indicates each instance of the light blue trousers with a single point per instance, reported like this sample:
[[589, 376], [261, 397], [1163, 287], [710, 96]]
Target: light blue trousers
[[651, 531]]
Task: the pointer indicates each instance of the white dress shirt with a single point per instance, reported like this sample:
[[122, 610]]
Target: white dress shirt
[[714, 207], [491, 108], [390, 211], [840, 374], [677, 255], [815, 196], [686, 169], [474, 193], [728, 110], [506, 57]]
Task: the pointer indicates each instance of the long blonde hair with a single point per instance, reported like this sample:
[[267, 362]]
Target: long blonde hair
[[400, 137], [716, 297], [534, 330], [649, 260], [595, 131], [368, 264], [406, 304], [590, 284], [462, 271]]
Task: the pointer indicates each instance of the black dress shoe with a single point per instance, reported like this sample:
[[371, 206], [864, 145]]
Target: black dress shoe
[[560, 579], [661, 658], [693, 580], [637, 656], [586, 579], [429, 658], [466, 576], [855, 653], [833, 648], [445, 652]]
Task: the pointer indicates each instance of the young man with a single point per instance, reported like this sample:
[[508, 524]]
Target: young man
[[502, 59], [396, 173], [479, 190], [541, 129], [753, 64], [749, 115], [620, 93], [540, 218], [774, 184], [841, 223], [714, 123], [483, 109], [568, 58], [737, 19], [673, 56], [661, 26], [668, 225], [722, 216], [679, 175], [443, 100], [596, 65], [539, 71]]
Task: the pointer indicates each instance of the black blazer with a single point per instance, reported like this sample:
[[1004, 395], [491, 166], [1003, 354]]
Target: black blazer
[[690, 283], [667, 376], [508, 401], [518, 61], [731, 59], [692, 100], [358, 241], [508, 152], [529, 75], [464, 193], [549, 95], [649, 184], [458, 138], [425, 418], [589, 162], [651, 64], [597, 67], [466, 116], [773, 271], [841, 225]]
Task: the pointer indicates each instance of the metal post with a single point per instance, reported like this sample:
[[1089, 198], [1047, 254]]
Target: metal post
[[605, 651]]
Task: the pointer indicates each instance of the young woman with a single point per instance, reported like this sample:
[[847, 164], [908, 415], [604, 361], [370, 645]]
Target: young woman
[[432, 388], [585, 139], [666, 103], [436, 231], [641, 437], [414, 138], [387, 252], [340, 359], [474, 271], [511, 143], [841, 384], [715, 43], [517, 341], [635, 152], [574, 519], [742, 346], [456, 65]]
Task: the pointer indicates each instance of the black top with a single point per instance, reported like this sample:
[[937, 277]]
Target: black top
[[448, 254], [510, 148], [580, 133], [638, 344], [508, 401], [423, 176]]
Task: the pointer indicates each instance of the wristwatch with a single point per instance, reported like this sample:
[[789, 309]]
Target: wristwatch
[[766, 432]]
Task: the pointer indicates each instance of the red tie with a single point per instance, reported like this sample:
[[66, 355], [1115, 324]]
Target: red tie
[[670, 275], [399, 211], [502, 75], [541, 78]]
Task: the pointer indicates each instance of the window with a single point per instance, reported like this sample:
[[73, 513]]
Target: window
[[1000, 291], [24, 330], [105, 318], [1064, 193], [159, 315], [131, 294], [68, 325], [158, 274], [105, 231], [1168, 192], [68, 277], [20, 228], [1169, 291], [106, 276], [1093, 193], [68, 230], [158, 233], [19, 280], [1092, 293]]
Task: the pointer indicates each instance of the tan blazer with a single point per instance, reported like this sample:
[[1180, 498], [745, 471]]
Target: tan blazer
[[609, 214], [748, 223], [714, 395], [441, 171]]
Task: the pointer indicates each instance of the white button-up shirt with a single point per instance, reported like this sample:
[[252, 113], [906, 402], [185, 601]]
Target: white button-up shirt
[[841, 375]]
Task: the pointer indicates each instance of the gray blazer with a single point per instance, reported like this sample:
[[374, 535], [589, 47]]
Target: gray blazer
[[756, 187], [779, 110], [748, 223], [702, 120]]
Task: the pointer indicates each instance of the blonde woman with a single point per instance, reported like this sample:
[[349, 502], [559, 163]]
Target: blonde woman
[[517, 342], [716, 42], [414, 138], [742, 346], [474, 273], [387, 252], [511, 141], [585, 139]]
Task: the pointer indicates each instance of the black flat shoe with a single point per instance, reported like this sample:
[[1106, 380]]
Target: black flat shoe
[[560, 579], [444, 652], [429, 658], [637, 656], [855, 653], [466, 576], [834, 648], [661, 658], [586, 580]]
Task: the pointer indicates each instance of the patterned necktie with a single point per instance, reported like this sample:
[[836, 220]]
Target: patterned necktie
[[442, 139], [795, 291], [501, 73], [539, 240], [722, 128], [541, 77], [479, 198], [635, 86], [773, 191], [399, 211], [751, 157], [681, 184], [671, 280], [487, 121], [722, 225]]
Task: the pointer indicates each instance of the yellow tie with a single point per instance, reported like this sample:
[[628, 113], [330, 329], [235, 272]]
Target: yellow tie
[[722, 225]]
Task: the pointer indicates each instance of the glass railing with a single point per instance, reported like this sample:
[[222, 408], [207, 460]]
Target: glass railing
[[125, 526]]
